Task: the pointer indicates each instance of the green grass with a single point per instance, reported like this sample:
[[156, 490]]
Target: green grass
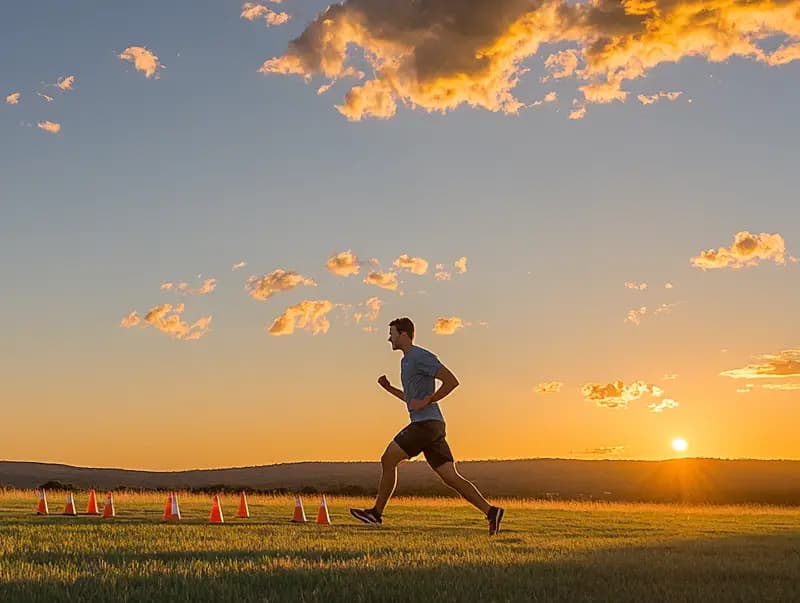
[[427, 550]]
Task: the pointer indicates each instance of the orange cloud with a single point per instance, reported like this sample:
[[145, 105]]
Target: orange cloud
[[264, 287], [439, 54], [562, 64], [635, 316], [66, 83], [654, 98], [415, 265], [448, 326], [252, 11], [784, 364], [550, 97], [206, 287], [784, 387], [13, 98], [343, 264], [384, 280], [167, 319], [617, 394], [747, 250], [239, 265], [142, 59], [49, 126], [578, 112], [441, 274], [308, 315], [131, 320], [550, 387], [461, 264], [373, 308], [603, 450], [636, 286]]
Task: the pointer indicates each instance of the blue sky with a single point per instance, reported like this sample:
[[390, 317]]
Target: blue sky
[[154, 180]]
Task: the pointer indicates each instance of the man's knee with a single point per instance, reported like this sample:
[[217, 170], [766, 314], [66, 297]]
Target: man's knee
[[392, 456], [389, 461]]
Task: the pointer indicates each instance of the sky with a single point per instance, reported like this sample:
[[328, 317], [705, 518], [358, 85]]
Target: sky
[[210, 212]]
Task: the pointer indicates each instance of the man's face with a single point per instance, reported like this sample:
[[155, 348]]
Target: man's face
[[394, 337]]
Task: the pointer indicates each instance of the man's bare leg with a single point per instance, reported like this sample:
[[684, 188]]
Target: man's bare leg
[[392, 456], [463, 486]]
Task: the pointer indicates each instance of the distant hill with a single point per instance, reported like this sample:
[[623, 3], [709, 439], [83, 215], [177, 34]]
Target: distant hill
[[689, 480]]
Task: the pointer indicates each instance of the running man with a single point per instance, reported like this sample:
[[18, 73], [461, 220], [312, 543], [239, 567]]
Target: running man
[[426, 433]]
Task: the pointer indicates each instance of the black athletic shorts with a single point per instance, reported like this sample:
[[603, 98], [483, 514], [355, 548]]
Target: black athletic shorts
[[427, 437]]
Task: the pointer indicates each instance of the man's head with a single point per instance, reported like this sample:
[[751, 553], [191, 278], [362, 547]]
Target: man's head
[[401, 333]]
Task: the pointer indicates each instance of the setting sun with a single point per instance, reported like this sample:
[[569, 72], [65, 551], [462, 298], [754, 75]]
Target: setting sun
[[679, 445]]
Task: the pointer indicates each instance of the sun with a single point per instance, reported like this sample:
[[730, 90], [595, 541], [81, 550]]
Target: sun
[[679, 445]]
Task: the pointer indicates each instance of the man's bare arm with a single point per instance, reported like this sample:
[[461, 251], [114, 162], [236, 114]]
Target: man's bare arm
[[449, 383], [383, 381]]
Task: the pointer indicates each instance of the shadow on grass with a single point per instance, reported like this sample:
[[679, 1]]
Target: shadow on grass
[[730, 568]]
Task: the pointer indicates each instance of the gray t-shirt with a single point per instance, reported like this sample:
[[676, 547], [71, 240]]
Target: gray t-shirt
[[417, 370]]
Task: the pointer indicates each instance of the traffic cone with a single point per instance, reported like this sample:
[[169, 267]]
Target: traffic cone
[[216, 511], [41, 508], [91, 508], [323, 518], [108, 509], [244, 510], [172, 510], [69, 508], [299, 513]]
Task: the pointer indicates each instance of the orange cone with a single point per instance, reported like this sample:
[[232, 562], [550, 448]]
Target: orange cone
[[41, 508], [244, 510], [108, 509], [323, 517], [69, 507], [172, 510], [91, 508], [299, 513], [216, 511]]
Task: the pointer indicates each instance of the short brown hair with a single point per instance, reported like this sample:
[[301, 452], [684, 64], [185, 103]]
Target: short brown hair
[[403, 325]]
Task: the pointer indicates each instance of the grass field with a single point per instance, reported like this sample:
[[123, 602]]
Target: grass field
[[427, 549]]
